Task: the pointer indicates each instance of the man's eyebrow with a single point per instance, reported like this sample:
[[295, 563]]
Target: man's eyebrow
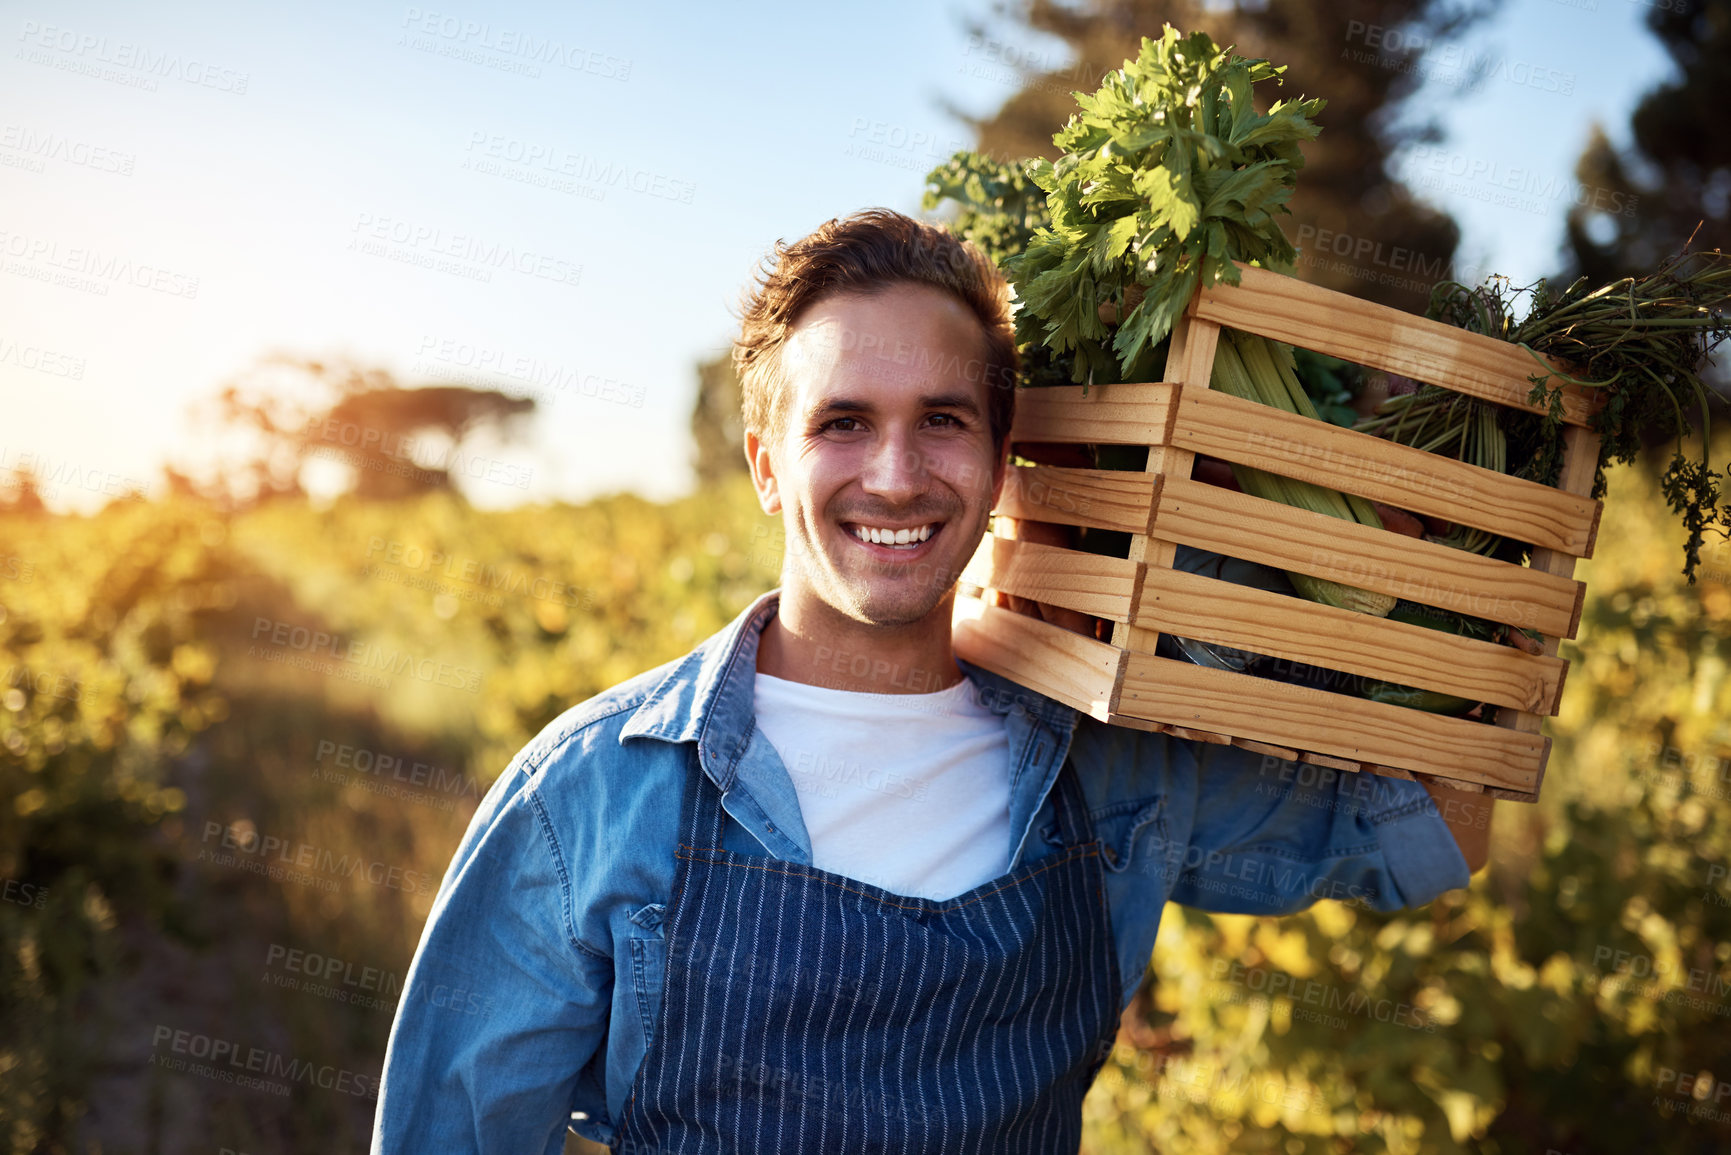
[[931, 401], [950, 401]]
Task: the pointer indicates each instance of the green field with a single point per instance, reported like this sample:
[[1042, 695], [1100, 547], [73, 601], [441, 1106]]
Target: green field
[[177, 684]]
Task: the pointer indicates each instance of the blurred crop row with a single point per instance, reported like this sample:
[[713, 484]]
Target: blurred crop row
[[179, 685]]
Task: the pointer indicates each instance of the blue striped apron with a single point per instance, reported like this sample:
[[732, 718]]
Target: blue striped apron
[[805, 1011]]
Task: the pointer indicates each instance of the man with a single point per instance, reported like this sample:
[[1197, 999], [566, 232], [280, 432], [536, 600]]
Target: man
[[819, 885]]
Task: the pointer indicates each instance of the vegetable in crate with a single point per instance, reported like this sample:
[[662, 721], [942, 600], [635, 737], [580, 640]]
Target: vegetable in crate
[[1169, 175], [1432, 701], [1256, 369], [1645, 341]]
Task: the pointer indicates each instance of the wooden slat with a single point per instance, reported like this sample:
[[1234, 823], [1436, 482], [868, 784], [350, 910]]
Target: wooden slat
[[1350, 765], [1243, 617], [1098, 498], [1190, 355], [1244, 432], [1189, 366], [1238, 525], [1281, 752], [1206, 736], [1140, 641], [1183, 732], [1080, 672], [1211, 610], [1085, 582], [1108, 415], [1312, 317], [1143, 641], [1580, 466], [1286, 754], [1464, 787], [1177, 693]]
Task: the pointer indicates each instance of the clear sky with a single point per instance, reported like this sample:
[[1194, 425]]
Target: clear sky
[[562, 200]]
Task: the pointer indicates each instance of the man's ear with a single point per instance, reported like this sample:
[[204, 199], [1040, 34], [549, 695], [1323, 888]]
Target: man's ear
[[757, 456]]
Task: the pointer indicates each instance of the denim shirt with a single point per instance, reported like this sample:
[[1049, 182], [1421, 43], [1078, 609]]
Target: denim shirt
[[534, 991]]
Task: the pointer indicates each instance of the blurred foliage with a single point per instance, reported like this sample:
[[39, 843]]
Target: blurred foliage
[[1572, 1000], [146, 694], [551, 604], [717, 421], [105, 671], [1637, 206]]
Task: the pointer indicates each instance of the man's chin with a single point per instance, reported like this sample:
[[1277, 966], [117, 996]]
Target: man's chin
[[897, 614], [882, 593], [892, 602]]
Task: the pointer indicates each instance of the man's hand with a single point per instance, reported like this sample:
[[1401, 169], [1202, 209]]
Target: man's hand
[[1048, 533], [1045, 533], [1469, 819]]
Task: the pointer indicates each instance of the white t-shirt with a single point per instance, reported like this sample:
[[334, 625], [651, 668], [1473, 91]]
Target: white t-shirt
[[910, 792]]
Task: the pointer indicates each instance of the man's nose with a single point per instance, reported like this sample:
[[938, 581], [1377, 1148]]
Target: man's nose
[[895, 470]]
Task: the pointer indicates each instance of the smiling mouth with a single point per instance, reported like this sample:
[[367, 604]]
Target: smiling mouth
[[906, 539]]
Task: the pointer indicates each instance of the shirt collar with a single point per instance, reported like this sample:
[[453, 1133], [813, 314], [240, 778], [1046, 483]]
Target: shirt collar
[[709, 696]]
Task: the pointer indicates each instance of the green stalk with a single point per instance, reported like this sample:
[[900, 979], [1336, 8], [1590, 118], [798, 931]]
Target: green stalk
[[1247, 366]]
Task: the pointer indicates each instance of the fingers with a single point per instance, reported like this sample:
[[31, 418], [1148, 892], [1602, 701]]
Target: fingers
[[1080, 623], [1039, 532], [1519, 640], [1077, 623]]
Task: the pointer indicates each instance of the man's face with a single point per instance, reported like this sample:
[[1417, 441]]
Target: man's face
[[884, 429]]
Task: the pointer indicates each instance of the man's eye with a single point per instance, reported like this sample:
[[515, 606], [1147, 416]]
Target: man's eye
[[950, 419], [835, 421]]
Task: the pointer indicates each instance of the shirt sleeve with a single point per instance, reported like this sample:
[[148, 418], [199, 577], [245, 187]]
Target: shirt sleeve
[[1269, 836], [503, 1006]]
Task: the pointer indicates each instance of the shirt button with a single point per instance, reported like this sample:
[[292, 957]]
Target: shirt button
[[772, 829]]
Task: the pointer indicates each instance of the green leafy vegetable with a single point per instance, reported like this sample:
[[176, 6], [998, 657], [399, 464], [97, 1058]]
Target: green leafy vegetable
[[1169, 174]]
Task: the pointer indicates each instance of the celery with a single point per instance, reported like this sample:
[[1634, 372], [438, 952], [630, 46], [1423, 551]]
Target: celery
[[1255, 369]]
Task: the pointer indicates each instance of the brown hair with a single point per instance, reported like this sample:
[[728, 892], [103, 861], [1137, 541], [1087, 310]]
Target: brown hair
[[865, 253]]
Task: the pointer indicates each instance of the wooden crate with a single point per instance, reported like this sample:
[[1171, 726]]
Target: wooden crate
[[1123, 682]]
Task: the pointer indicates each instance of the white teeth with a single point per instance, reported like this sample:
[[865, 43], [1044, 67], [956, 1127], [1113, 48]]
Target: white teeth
[[893, 536]]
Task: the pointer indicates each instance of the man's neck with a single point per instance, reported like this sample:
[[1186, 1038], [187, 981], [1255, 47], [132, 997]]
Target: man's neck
[[828, 649]]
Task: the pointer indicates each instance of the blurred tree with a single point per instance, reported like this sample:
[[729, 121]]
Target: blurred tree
[[21, 493], [399, 441], [1639, 206], [717, 424], [1340, 52], [383, 430]]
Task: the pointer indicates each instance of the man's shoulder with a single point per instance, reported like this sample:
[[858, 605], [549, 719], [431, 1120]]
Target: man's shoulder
[[593, 726]]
